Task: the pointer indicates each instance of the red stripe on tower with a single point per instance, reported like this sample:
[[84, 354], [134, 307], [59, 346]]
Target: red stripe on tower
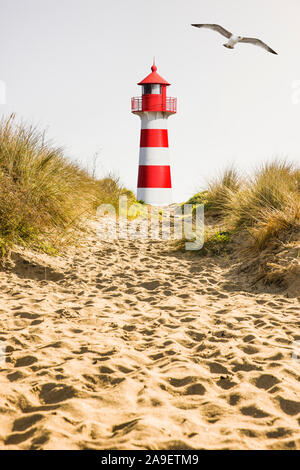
[[154, 108], [154, 138], [154, 176]]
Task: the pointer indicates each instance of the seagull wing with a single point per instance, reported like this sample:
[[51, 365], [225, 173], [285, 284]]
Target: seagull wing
[[215, 27], [257, 42]]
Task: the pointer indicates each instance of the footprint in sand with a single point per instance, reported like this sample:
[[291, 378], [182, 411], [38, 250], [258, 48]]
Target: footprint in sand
[[182, 354]]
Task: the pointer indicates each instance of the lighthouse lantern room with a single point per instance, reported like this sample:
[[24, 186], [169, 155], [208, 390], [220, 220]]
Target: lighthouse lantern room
[[154, 107]]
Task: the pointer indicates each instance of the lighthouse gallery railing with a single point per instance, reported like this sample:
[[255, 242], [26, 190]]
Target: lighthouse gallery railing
[[137, 104]]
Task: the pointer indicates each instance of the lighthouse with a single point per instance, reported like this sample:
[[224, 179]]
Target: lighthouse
[[154, 107]]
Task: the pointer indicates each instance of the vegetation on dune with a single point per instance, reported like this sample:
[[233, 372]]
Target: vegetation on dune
[[43, 195], [198, 198], [250, 215], [219, 192], [262, 207], [216, 242]]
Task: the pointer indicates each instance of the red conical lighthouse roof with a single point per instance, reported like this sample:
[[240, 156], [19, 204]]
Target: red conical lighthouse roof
[[154, 77]]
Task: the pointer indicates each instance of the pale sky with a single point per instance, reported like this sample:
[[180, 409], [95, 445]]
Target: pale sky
[[71, 66]]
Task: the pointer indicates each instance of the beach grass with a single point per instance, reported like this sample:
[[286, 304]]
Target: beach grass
[[44, 196], [255, 220], [260, 207]]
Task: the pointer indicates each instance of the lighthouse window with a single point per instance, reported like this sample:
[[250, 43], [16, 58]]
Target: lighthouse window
[[156, 89], [147, 89]]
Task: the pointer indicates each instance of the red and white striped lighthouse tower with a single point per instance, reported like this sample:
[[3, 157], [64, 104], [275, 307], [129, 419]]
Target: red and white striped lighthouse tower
[[154, 107]]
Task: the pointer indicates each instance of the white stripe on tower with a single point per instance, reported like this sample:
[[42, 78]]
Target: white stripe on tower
[[154, 156], [154, 121]]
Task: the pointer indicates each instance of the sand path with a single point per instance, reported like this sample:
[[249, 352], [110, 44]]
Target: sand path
[[124, 345]]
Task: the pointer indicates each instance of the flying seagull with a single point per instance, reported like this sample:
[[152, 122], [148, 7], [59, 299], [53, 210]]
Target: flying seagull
[[233, 39]]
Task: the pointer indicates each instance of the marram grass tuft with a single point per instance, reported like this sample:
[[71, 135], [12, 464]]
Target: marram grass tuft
[[43, 195]]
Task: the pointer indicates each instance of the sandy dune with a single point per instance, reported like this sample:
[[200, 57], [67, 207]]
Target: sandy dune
[[125, 345]]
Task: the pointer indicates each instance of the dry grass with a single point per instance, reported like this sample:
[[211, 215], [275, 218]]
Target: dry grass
[[221, 191], [43, 195], [257, 214], [262, 207], [268, 205]]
